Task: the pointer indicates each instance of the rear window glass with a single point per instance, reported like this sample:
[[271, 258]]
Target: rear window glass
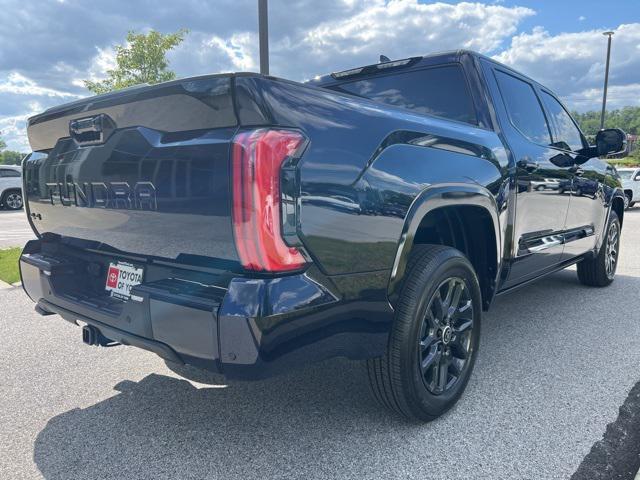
[[440, 91]]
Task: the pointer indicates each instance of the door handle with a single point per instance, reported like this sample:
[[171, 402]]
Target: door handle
[[576, 170], [528, 165]]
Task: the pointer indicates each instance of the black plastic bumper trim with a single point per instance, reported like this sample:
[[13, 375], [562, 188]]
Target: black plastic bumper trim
[[115, 334]]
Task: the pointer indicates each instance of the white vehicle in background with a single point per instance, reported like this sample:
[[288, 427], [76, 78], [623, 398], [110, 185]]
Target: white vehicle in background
[[11, 187], [545, 184], [630, 184]]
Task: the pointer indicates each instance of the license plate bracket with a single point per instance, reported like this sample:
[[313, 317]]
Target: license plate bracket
[[121, 278]]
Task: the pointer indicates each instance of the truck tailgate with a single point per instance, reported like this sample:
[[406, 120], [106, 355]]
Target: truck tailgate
[[143, 171]]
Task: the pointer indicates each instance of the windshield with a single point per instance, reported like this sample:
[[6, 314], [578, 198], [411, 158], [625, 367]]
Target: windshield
[[625, 174]]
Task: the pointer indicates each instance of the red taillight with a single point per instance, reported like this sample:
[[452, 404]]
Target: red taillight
[[257, 158]]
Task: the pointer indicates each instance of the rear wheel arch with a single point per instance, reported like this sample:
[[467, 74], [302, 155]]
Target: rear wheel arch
[[462, 216]]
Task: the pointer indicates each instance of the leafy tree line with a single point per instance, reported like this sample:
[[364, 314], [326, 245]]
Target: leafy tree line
[[9, 157], [626, 118]]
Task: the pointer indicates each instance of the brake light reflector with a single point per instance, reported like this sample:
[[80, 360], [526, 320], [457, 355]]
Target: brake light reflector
[[257, 158]]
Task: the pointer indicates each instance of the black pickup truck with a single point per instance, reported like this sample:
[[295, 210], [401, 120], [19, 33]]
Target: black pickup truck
[[246, 225]]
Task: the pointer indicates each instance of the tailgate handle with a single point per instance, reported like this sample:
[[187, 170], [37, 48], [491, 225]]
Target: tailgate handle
[[91, 130]]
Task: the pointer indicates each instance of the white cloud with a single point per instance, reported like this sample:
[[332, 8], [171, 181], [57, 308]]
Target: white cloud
[[573, 64], [401, 28], [47, 66], [239, 49], [17, 84], [13, 128], [103, 61], [618, 96]]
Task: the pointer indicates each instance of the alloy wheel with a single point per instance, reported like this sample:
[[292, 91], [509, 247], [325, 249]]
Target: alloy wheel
[[14, 201], [611, 252], [446, 336]]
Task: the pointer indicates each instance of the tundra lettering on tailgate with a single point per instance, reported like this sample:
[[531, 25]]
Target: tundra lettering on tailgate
[[115, 195]]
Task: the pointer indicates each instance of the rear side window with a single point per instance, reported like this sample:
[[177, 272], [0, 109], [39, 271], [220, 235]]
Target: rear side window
[[6, 172], [440, 91], [523, 108], [565, 133]]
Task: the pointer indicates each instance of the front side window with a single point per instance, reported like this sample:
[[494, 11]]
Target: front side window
[[565, 133], [523, 108], [440, 91], [6, 172]]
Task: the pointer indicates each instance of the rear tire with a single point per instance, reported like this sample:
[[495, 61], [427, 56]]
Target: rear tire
[[627, 201], [435, 336], [601, 270], [12, 200]]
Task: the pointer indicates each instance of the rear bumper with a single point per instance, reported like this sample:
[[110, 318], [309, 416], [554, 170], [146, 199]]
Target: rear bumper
[[249, 328]]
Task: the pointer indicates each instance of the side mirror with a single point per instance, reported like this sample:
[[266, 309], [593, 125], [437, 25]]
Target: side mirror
[[611, 141]]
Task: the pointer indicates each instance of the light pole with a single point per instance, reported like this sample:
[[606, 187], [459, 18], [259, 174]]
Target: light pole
[[606, 79], [263, 34]]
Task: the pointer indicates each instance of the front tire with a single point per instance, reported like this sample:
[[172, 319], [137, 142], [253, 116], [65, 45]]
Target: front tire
[[601, 270], [435, 336], [12, 200], [627, 201]]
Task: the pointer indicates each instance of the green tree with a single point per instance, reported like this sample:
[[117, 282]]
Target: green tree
[[626, 118], [9, 157], [141, 60], [3, 145]]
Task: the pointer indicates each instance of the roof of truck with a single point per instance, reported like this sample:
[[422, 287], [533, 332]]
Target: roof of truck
[[447, 56]]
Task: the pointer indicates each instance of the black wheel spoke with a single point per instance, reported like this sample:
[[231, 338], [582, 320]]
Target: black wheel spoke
[[443, 374], [458, 348], [451, 286], [457, 288], [462, 325], [431, 320], [457, 366], [432, 358], [445, 335], [428, 342], [438, 306]]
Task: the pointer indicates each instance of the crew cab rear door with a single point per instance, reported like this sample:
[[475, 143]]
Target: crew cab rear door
[[541, 172], [587, 209]]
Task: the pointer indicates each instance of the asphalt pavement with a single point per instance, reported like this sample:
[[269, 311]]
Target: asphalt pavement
[[14, 229], [557, 360]]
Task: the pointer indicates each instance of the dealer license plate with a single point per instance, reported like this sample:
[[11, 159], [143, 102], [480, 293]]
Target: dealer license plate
[[121, 278]]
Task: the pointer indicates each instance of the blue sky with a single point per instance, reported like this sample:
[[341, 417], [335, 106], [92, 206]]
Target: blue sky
[[575, 15], [47, 47]]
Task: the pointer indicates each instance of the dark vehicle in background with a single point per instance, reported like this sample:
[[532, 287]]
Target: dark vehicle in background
[[248, 225], [580, 186]]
